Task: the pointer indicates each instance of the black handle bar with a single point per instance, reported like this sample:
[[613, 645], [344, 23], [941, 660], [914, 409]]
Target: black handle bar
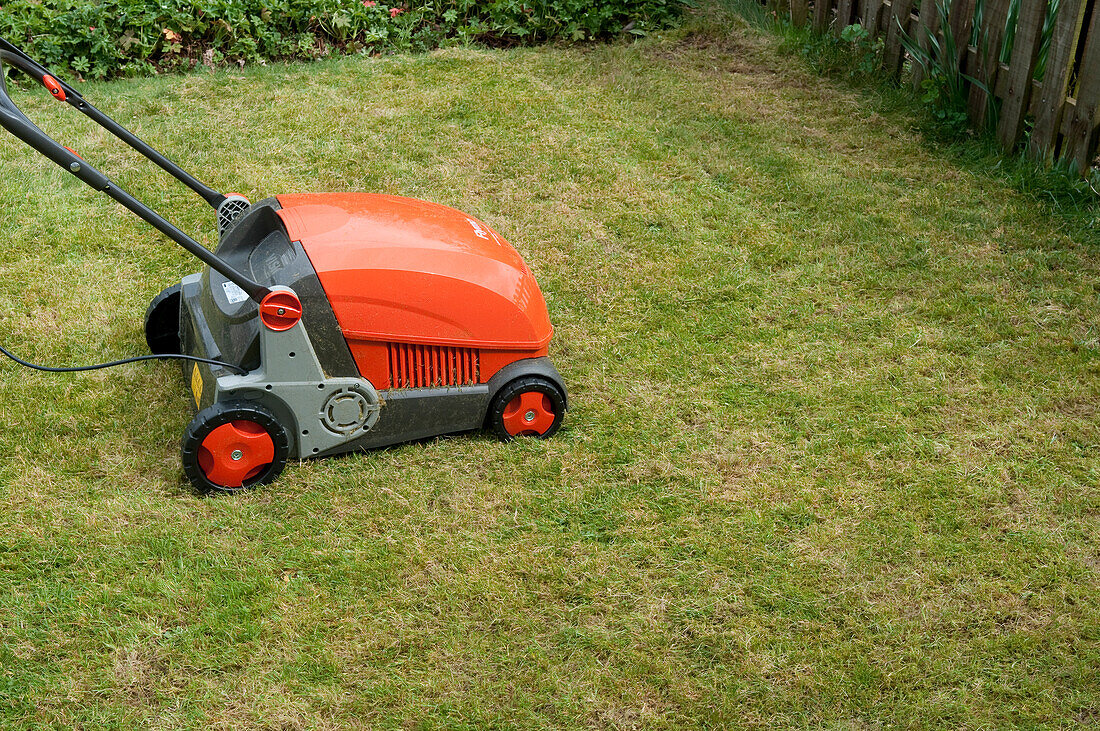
[[63, 92], [14, 121]]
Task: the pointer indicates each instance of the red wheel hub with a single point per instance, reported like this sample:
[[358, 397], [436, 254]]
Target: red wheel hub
[[235, 452], [529, 414]]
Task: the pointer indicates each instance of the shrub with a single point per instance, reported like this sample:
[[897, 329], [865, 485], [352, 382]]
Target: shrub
[[126, 37]]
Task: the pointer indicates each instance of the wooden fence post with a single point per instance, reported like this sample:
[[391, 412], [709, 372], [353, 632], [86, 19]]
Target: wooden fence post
[[800, 10], [995, 16], [928, 26], [843, 16], [961, 25], [821, 15], [1021, 70], [1052, 94], [899, 14], [869, 12], [1080, 134]]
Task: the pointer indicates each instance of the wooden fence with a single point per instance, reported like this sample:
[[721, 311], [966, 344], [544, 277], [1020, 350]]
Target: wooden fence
[[1062, 106]]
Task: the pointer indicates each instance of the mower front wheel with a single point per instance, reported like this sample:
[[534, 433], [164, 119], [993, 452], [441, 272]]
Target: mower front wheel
[[233, 446], [531, 406], [162, 322]]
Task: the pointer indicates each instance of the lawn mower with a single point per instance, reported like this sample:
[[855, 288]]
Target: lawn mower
[[328, 323]]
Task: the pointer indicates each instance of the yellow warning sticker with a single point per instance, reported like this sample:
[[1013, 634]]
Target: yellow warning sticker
[[196, 385]]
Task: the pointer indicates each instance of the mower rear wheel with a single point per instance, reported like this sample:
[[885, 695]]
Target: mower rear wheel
[[162, 322], [531, 406], [232, 446]]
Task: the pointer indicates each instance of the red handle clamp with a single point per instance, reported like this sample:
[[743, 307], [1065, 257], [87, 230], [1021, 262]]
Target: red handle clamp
[[280, 311], [54, 87]]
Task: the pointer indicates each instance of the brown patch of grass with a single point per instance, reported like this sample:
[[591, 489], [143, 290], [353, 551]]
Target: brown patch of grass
[[715, 52], [142, 674], [1078, 407]]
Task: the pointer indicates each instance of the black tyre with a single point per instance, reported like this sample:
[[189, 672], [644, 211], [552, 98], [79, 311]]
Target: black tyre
[[162, 322], [531, 406], [233, 446]]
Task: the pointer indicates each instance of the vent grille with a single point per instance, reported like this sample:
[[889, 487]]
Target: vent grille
[[425, 366]]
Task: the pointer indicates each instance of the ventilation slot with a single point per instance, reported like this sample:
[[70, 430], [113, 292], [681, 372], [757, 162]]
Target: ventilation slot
[[425, 366]]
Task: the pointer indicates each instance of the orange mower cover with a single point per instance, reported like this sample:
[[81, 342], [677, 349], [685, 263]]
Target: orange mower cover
[[400, 270]]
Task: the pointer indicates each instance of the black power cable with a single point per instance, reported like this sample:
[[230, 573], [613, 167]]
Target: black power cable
[[138, 359]]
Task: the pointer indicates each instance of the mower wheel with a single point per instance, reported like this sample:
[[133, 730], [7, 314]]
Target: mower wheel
[[531, 406], [162, 322], [232, 446]]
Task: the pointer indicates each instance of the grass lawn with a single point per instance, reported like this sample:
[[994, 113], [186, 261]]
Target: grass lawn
[[832, 459]]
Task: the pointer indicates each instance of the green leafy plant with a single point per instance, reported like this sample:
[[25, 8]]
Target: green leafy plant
[[853, 54], [944, 88], [868, 49], [1047, 35], [128, 37]]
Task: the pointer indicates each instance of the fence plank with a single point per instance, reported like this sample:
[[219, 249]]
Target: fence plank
[[899, 14], [929, 24], [1081, 136], [995, 15], [1052, 97], [800, 10], [961, 24], [821, 14], [886, 12], [869, 11], [1021, 69], [843, 16]]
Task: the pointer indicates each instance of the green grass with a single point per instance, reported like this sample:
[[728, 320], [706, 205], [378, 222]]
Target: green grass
[[832, 459]]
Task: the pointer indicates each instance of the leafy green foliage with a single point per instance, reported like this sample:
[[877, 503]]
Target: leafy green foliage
[[868, 50], [944, 88], [854, 55], [128, 37]]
